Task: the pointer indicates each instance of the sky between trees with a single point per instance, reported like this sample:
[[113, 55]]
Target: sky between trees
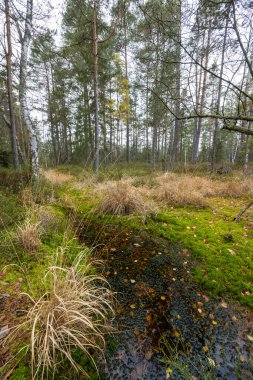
[[102, 81]]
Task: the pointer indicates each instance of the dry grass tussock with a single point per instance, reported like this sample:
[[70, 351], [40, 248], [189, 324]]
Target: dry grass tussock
[[26, 197], [235, 188], [193, 190], [174, 194], [73, 313], [28, 236], [87, 182], [55, 177], [39, 221], [122, 198]]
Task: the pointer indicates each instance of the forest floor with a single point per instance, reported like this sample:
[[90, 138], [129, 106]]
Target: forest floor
[[182, 273]]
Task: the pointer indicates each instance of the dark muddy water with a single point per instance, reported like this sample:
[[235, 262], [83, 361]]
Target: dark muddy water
[[167, 327]]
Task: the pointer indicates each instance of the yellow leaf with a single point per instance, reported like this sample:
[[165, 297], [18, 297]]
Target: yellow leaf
[[133, 306], [205, 348], [250, 338], [163, 298], [214, 323]]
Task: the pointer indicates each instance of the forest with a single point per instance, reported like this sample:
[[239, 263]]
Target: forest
[[126, 189]]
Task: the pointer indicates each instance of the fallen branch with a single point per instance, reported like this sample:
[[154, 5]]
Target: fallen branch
[[242, 212]]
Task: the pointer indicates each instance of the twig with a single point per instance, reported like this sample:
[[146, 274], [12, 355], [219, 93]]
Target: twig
[[242, 212]]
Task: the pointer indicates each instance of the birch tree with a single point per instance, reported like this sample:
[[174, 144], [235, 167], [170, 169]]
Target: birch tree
[[23, 91]]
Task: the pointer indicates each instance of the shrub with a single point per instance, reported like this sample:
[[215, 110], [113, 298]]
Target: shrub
[[72, 314]]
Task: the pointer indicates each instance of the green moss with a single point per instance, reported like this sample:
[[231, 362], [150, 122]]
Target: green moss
[[10, 210], [22, 372], [224, 268]]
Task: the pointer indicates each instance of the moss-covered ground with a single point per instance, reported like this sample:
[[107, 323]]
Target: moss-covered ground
[[220, 249]]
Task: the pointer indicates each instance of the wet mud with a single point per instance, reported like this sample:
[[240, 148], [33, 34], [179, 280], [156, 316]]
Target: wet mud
[[167, 328]]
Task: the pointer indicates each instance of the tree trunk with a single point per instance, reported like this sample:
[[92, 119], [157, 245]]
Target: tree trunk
[[216, 125], [177, 127], [25, 113], [127, 100], [95, 79], [10, 88], [202, 92], [50, 113], [111, 123]]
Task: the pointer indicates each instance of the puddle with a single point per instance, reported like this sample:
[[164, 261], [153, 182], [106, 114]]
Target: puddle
[[160, 310]]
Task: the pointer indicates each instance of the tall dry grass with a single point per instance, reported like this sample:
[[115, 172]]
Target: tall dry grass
[[183, 190], [55, 177], [122, 198], [73, 314], [28, 236]]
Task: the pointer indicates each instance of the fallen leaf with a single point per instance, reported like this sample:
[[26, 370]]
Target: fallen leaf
[[163, 298], [149, 319], [176, 333], [205, 348], [136, 331], [120, 310], [133, 306], [250, 338]]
